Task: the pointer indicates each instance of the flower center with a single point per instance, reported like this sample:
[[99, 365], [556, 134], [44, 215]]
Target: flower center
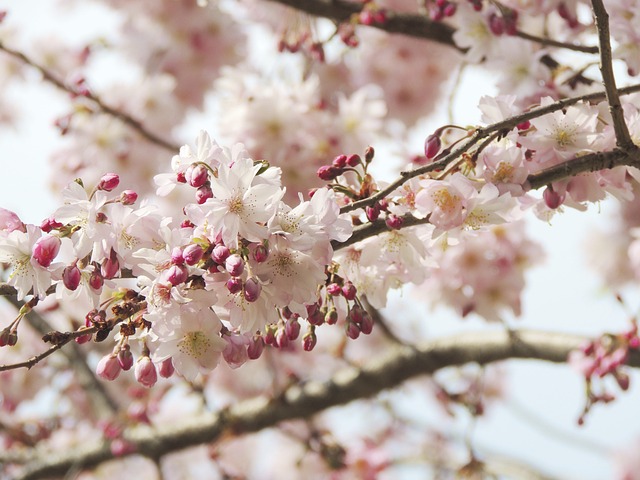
[[195, 344], [445, 200]]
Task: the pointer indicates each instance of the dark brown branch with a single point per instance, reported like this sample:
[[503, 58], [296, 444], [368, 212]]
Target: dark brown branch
[[407, 24], [64, 338], [375, 228], [591, 162], [414, 25], [503, 126], [388, 370], [123, 117], [101, 401], [623, 139], [548, 42]]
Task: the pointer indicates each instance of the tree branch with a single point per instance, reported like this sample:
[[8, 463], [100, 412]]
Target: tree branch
[[103, 404], [483, 132], [123, 117], [303, 400], [623, 139], [591, 162]]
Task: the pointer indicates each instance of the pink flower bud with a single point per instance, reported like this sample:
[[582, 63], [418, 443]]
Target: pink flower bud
[[256, 347], [176, 256], [394, 222], [432, 146], [71, 277], [366, 324], [355, 315], [450, 9], [108, 182], [192, 254], [309, 341], [334, 289], [196, 175], [496, 24], [4, 337], [166, 368], [125, 359], [203, 194], [354, 160], [82, 339], [234, 264], [328, 173], [331, 316], [252, 289], [282, 341], [235, 353], [234, 285], [49, 224], [9, 221], [45, 250], [352, 330], [340, 161], [175, 274], [128, 197], [372, 213], [145, 372], [220, 254], [260, 254], [110, 266], [552, 198], [108, 367], [292, 329], [315, 318], [96, 280], [349, 291]]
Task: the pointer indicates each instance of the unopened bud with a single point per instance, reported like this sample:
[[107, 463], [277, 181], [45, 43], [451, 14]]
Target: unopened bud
[[234, 264], [432, 146], [108, 367], [309, 341], [252, 289], [196, 175], [349, 291], [260, 254], [234, 285], [220, 254], [128, 197], [125, 358], [192, 254], [203, 194], [292, 328], [145, 372], [255, 347], [166, 368], [108, 182], [71, 277], [45, 250], [328, 173], [552, 198]]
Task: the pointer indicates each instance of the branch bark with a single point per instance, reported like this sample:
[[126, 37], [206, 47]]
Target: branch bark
[[303, 400]]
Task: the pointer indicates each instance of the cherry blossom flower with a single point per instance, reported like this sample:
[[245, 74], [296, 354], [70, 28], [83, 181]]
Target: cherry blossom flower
[[191, 338], [27, 275], [239, 206]]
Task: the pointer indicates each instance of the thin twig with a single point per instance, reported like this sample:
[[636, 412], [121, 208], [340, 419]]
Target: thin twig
[[64, 338], [548, 42], [623, 139], [480, 133], [375, 228], [123, 117], [101, 400]]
